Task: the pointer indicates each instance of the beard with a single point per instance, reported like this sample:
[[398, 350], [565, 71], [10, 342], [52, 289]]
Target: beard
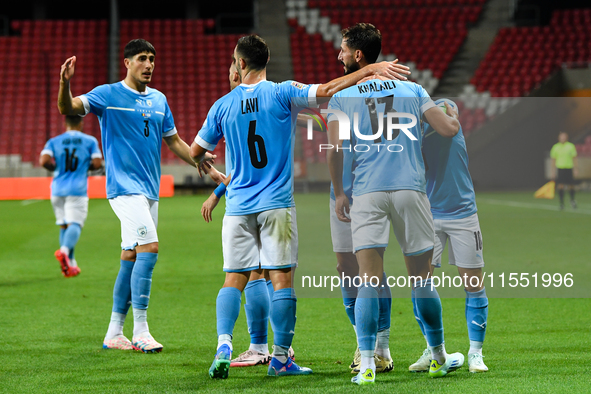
[[351, 69]]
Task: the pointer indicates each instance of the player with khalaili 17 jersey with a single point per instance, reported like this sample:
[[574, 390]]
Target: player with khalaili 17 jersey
[[383, 197]]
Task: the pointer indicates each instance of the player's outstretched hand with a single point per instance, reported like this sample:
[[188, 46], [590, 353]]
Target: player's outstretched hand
[[208, 207], [67, 70], [216, 176], [451, 111], [342, 208], [205, 165], [391, 70]]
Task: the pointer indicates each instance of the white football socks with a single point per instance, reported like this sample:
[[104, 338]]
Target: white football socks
[[438, 353], [115, 325], [225, 339], [475, 347], [140, 321], [259, 347], [367, 361], [383, 344]]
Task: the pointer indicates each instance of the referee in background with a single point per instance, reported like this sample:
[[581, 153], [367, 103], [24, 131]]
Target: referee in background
[[564, 167]]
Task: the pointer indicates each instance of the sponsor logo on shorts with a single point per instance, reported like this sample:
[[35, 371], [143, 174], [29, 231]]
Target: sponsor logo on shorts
[[142, 231]]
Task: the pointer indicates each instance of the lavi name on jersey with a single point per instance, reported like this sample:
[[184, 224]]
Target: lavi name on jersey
[[375, 87], [250, 105]]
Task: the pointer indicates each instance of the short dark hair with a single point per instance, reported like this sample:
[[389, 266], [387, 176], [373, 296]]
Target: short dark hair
[[254, 50], [139, 45], [73, 120], [366, 38]]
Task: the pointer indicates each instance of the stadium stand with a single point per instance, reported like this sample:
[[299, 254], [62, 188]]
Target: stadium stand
[[191, 72], [30, 79], [521, 58]]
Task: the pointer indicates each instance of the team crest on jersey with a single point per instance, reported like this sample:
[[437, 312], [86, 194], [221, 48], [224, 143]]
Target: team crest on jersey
[[298, 85], [142, 231], [149, 102]]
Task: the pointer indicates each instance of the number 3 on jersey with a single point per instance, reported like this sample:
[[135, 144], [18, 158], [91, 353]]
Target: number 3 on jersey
[[256, 142], [147, 127]]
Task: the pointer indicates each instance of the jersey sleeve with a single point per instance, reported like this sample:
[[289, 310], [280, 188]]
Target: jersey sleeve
[[573, 150], [298, 94], [48, 149], [168, 127], [553, 152], [211, 132], [96, 100], [334, 103], [425, 102]]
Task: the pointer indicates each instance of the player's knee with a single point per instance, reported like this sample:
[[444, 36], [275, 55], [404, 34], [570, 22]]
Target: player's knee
[[347, 264], [128, 255], [147, 248]]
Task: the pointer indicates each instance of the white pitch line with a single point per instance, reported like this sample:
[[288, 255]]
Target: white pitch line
[[546, 207], [30, 201]]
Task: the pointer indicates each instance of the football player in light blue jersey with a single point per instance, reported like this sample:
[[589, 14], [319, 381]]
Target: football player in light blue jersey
[[259, 230], [389, 186], [453, 205], [134, 119], [70, 156], [361, 45]]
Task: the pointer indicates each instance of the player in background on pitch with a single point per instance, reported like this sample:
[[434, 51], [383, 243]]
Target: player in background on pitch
[[453, 205], [134, 119], [260, 228], [563, 156], [70, 156], [383, 197]]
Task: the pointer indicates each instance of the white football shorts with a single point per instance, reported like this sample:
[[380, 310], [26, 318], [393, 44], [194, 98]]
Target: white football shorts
[[267, 240], [139, 219], [340, 232], [409, 212], [70, 209], [465, 242]]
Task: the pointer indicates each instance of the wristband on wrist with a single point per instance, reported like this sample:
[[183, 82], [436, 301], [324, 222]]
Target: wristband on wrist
[[220, 190]]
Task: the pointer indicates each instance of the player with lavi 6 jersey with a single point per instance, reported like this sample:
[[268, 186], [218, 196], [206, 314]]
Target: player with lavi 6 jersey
[[379, 120], [259, 227]]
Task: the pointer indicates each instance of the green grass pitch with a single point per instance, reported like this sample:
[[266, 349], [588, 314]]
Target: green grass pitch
[[51, 328]]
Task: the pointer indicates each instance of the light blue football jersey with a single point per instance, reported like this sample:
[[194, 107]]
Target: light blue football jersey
[[382, 164], [258, 126], [132, 127], [73, 152], [449, 185]]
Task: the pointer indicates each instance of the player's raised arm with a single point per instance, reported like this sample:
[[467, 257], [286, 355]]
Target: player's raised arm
[[390, 70], [446, 124], [67, 104]]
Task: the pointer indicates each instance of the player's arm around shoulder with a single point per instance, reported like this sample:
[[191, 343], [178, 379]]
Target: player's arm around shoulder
[[389, 70], [445, 124]]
